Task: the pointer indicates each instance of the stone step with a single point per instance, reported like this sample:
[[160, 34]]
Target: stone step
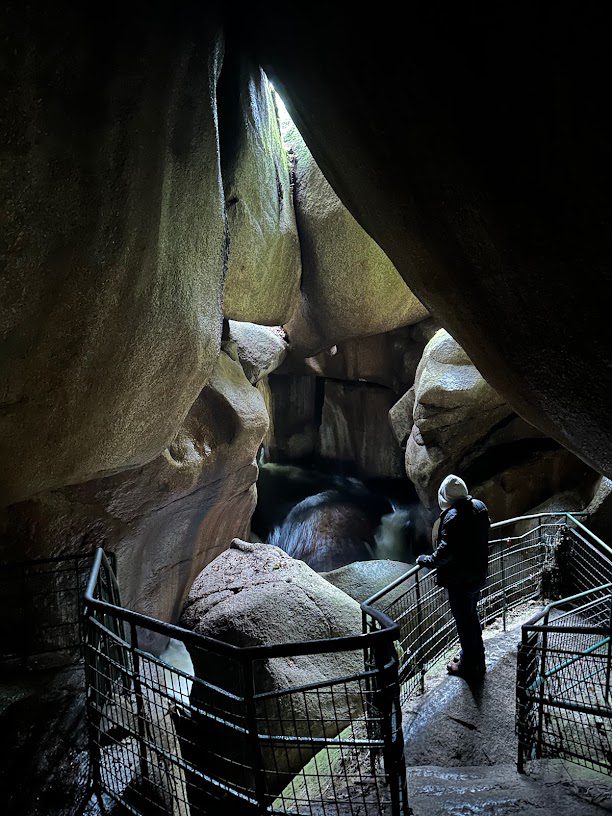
[[498, 790]]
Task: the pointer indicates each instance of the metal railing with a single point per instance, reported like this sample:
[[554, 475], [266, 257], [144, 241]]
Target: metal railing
[[421, 609], [42, 603], [564, 664], [164, 740], [169, 741]]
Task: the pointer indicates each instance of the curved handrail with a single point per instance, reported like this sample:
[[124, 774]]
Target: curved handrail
[[543, 613], [389, 630], [590, 533], [366, 605], [538, 516]]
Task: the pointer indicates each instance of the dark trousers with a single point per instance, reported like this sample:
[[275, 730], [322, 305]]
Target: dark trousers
[[463, 606]]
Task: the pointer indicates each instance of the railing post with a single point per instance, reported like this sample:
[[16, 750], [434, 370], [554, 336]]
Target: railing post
[[503, 583], [417, 587], [609, 658], [369, 691], [259, 775], [90, 694], [140, 711], [386, 662], [521, 705], [542, 679]]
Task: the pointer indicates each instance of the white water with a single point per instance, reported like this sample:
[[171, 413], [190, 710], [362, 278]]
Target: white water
[[392, 539], [177, 657]]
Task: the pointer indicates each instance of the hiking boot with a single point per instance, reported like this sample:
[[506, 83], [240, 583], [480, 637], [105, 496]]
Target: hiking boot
[[457, 668], [452, 666]]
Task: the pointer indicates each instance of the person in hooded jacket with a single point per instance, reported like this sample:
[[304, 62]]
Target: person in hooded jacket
[[461, 559]]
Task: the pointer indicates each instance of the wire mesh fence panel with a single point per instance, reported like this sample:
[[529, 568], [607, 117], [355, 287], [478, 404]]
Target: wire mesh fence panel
[[163, 739], [421, 608], [41, 608], [256, 730], [564, 702], [588, 563], [323, 746]]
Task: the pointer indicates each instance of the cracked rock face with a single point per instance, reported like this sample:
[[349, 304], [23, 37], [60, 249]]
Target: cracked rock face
[[453, 409], [351, 429], [255, 594], [459, 423]]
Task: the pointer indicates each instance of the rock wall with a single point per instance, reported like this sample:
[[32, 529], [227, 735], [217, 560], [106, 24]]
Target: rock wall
[[332, 408], [484, 178], [349, 286], [114, 239], [351, 431], [264, 268], [149, 195]]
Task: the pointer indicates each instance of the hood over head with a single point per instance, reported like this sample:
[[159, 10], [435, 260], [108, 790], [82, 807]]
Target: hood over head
[[451, 490]]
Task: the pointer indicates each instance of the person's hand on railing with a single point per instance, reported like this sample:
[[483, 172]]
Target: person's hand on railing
[[423, 561]]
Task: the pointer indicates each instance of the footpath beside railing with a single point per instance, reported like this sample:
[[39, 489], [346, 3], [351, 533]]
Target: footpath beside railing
[[163, 740], [564, 664]]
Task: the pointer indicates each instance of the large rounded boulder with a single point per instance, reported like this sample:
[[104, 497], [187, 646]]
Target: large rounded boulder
[[256, 595], [453, 409], [349, 286], [461, 424], [331, 529]]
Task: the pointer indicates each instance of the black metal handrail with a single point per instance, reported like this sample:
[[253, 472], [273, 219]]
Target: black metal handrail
[[228, 740], [564, 667], [388, 629], [421, 608]]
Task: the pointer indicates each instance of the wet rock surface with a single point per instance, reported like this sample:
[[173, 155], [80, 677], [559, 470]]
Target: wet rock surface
[[482, 791], [294, 411], [461, 748], [457, 724]]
